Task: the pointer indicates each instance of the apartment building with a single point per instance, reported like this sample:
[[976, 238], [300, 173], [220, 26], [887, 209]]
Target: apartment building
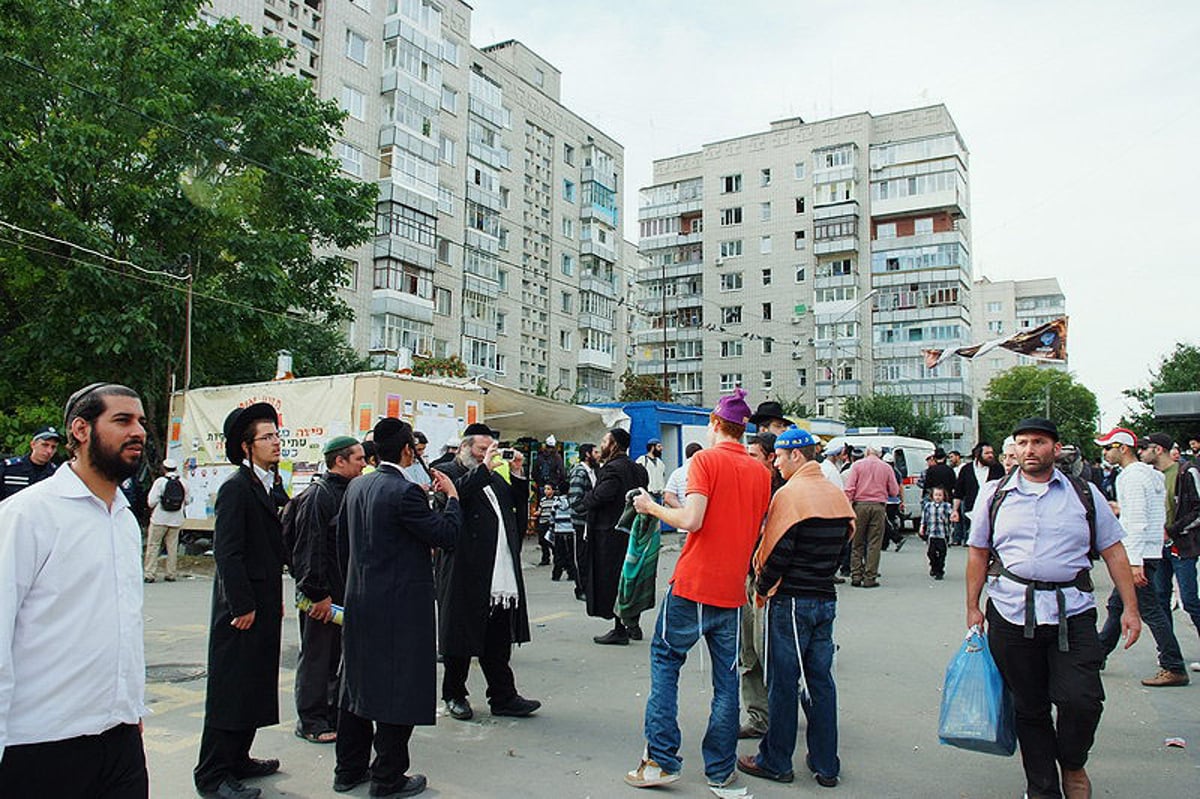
[[812, 262], [1004, 307], [497, 225]]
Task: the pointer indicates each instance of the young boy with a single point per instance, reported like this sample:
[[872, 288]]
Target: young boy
[[545, 524], [564, 540], [935, 528]]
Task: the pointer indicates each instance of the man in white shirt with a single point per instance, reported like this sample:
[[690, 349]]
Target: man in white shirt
[[655, 467], [165, 522], [1142, 508], [72, 663], [831, 466]]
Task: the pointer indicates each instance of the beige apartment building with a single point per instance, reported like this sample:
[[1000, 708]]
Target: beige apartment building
[[1003, 307], [497, 226], [813, 261]]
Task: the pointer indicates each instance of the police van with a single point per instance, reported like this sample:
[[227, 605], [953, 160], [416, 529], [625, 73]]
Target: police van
[[908, 456]]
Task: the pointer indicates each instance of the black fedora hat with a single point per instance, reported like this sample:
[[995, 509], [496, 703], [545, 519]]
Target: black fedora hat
[[235, 425], [767, 411]]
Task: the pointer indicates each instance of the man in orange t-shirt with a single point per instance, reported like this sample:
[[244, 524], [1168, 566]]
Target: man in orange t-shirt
[[727, 497]]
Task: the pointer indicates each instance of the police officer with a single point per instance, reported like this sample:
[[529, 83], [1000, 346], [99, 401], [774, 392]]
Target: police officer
[[18, 473]]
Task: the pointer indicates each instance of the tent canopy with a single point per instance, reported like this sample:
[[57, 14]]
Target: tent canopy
[[517, 415]]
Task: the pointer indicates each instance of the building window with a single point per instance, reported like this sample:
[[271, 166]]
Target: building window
[[441, 300], [502, 280], [799, 205], [731, 216], [449, 100], [568, 227], [764, 212], [995, 307], [356, 47], [731, 281], [732, 349], [731, 184], [996, 326], [923, 225], [800, 274], [501, 322], [568, 154], [768, 381], [568, 302], [443, 250], [450, 52], [885, 230], [351, 158], [731, 315], [568, 190], [568, 264], [800, 171], [766, 311], [731, 381], [766, 277], [798, 240], [766, 346], [764, 177], [764, 245], [446, 150], [539, 78], [730, 249], [801, 378], [564, 339], [353, 102]]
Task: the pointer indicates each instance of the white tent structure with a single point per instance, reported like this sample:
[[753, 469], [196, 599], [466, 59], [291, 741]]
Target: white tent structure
[[517, 415]]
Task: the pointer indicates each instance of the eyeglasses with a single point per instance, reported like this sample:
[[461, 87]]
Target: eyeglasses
[[1114, 446], [268, 437]]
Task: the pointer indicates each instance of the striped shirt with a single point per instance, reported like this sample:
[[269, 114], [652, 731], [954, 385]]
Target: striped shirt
[[1142, 495], [805, 559]]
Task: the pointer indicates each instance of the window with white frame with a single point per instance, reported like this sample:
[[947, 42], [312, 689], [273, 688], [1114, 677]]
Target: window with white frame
[[730, 381], [564, 340], [764, 244], [767, 346], [923, 225], [568, 264], [441, 300], [766, 277], [731, 315], [354, 102], [356, 47], [764, 176], [799, 171], [732, 349], [568, 227], [731, 281], [995, 307], [798, 240], [764, 212], [801, 378], [801, 274], [449, 100], [501, 322], [799, 205], [568, 191], [446, 150], [731, 216], [568, 302], [766, 312], [731, 249], [351, 158], [731, 184], [768, 380]]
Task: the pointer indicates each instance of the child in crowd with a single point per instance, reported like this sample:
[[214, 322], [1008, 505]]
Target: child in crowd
[[545, 525], [935, 528], [564, 540]]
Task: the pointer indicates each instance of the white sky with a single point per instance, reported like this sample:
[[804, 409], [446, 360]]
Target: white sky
[[1078, 117]]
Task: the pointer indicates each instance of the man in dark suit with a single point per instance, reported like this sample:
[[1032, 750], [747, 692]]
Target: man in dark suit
[[939, 475], [971, 477], [247, 609], [386, 532], [481, 593], [606, 545]]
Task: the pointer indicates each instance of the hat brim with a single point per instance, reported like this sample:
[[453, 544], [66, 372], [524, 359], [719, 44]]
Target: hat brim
[[236, 423]]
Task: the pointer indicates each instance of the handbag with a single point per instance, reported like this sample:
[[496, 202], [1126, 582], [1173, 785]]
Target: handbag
[[977, 708]]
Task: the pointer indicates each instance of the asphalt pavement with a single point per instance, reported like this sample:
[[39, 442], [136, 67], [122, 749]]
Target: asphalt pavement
[[895, 642]]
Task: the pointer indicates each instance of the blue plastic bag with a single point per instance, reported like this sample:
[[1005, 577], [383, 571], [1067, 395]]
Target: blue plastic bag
[[977, 709]]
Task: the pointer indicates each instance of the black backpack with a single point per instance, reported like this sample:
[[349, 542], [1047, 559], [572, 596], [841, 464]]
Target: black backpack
[[172, 495], [1082, 490]]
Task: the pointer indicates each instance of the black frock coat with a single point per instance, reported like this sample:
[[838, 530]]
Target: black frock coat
[[387, 531], [243, 665], [606, 547], [464, 575]]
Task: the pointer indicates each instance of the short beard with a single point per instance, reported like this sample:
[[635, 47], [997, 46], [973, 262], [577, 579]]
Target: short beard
[[108, 462]]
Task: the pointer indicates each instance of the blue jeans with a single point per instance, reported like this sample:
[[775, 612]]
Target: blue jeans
[[1159, 621], [1183, 570], [799, 655], [681, 623]]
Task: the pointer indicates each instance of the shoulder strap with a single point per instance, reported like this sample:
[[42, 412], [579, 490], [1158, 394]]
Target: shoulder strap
[[1084, 493], [1001, 494]]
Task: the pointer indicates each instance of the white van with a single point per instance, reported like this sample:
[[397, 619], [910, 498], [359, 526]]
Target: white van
[[909, 456]]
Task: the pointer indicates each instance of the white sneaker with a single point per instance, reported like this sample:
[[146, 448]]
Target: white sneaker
[[725, 783], [649, 774], [1194, 665]]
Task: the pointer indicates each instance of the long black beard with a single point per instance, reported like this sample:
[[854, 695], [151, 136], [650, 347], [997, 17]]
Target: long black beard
[[109, 463]]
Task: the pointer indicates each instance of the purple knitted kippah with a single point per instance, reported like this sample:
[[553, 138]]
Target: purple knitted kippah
[[733, 407]]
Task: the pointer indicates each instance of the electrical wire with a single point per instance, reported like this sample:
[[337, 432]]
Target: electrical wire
[[89, 251]]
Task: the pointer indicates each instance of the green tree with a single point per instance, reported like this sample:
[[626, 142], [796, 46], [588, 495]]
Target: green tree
[[1025, 391], [135, 130], [896, 411], [1179, 371], [636, 388]]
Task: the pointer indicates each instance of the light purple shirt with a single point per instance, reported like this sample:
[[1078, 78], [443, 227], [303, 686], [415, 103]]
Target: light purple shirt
[[1041, 537]]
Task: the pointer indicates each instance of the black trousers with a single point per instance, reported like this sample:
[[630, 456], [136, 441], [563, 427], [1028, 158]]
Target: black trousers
[[1040, 676], [317, 675], [111, 765], [497, 649], [223, 753], [937, 556], [564, 555], [581, 554], [356, 736]]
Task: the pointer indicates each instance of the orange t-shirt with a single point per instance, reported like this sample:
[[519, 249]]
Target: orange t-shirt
[[716, 558]]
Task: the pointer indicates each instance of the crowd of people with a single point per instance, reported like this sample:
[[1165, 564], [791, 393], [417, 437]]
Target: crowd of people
[[400, 563]]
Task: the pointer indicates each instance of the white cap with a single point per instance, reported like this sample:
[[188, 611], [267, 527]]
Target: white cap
[[551, 440], [169, 465], [452, 442]]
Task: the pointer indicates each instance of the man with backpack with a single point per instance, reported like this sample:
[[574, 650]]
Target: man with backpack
[[1034, 535], [168, 497]]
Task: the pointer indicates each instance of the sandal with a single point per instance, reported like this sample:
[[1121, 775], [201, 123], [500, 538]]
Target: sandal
[[326, 737]]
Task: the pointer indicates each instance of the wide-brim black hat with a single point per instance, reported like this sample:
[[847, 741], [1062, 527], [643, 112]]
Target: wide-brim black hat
[[767, 411], [235, 425]]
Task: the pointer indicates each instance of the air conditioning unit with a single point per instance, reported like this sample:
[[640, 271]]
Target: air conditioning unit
[[797, 320]]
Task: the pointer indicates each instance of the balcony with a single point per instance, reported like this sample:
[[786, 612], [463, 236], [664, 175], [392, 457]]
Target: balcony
[[481, 241], [656, 274], [654, 366], [846, 349], [595, 359], [480, 330], [488, 199], [401, 249], [845, 388], [605, 179], [492, 156], [597, 285], [409, 306], [953, 200], [835, 245], [591, 321], [605, 252], [654, 305], [599, 212], [669, 240], [678, 208], [477, 285], [497, 116], [656, 335]]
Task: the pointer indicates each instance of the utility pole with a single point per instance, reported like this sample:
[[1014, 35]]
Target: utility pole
[[187, 325]]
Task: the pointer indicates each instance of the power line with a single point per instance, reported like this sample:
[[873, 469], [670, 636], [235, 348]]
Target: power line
[[120, 261]]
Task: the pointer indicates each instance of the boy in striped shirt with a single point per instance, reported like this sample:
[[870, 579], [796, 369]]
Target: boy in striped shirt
[[935, 528]]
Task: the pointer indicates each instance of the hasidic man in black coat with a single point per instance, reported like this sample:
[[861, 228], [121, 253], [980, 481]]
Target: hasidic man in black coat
[[313, 516], [386, 532], [605, 552], [247, 610], [982, 469], [481, 593]]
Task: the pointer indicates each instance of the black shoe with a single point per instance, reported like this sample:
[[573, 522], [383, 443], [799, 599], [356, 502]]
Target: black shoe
[[460, 709], [900, 544], [580, 595], [232, 789], [748, 764], [823, 781], [613, 637], [939, 577], [555, 577], [634, 631], [256, 768], [839, 580], [518, 706], [416, 784], [343, 784]]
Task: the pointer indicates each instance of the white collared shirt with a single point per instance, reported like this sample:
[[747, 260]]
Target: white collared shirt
[[72, 660], [265, 476]]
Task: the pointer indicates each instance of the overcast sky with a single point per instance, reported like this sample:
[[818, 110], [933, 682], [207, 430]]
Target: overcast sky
[[1081, 119]]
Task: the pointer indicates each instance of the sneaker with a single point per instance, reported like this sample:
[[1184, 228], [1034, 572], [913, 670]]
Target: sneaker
[[648, 774], [725, 783], [1194, 665], [1166, 678]]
